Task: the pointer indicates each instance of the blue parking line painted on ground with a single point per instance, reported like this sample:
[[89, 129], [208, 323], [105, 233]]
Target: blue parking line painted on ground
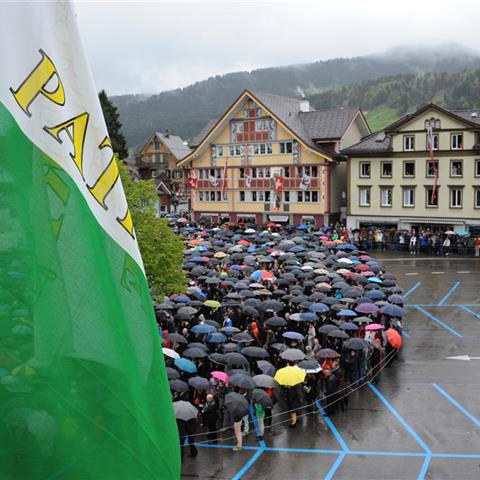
[[227, 447], [335, 466], [247, 466], [436, 320], [405, 334], [425, 465], [303, 450], [332, 427], [386, 454], [397, 415], [412, 289], [457, 404], [446, 297], [476, 315], [456, 455]]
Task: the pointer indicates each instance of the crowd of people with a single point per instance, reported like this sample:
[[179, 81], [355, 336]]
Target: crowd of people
[[275, 321]]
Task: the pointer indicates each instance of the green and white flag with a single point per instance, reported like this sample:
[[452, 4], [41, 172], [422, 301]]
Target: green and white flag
[[83, 388]]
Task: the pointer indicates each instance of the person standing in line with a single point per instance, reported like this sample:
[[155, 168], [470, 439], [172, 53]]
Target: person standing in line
[[413, 244], [476, 244]]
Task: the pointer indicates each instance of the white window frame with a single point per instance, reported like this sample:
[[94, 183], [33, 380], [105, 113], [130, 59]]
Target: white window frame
[[367, 164], [476, 197], [286, 148], [382, 202], [409, 143], [382, 175], [461, 168], [456, 197], [411, 199], [477, 167], [368, 197], [414, 169], [456, 141]]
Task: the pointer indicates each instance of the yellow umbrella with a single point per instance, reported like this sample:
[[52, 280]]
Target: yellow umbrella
[[220, 255], [290, 376], [212, 303]]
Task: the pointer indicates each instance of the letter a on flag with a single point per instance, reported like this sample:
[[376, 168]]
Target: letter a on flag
[[83, 387]]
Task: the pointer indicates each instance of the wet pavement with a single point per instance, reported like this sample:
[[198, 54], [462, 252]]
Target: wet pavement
[[421, 419]]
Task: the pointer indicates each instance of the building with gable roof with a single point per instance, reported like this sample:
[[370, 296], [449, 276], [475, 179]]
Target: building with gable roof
[[272, 159], [392, 176], [158, 160]]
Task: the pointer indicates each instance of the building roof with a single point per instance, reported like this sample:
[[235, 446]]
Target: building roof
[[377, 142], [380, 142], [174, 143], [328, 124], [204, 132], [311, 127], [470, 115]]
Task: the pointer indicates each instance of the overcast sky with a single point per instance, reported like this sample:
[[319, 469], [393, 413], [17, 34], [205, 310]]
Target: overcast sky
[[152, 46]]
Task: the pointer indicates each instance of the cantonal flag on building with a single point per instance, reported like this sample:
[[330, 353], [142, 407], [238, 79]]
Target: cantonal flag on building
[[83, 388]]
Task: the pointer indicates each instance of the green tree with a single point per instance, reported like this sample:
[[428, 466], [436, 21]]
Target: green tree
[[161, 249], [114, 127]]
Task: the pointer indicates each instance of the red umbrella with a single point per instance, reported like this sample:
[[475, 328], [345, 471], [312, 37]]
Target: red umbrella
[[362, 267], [244, 243], [394, 338]]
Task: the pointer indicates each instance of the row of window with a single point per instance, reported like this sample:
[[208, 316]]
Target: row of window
[[408, 197], [252, 149], [300, 196], [456, 142], [156, 157], [265, 172], [258, 172], [386, 168], [176, 174], [211, 196]]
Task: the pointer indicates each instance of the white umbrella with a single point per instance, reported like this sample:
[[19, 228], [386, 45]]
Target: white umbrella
[[170, 353]]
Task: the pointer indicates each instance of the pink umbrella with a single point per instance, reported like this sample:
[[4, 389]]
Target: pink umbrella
[[374, 326], [222, 376]]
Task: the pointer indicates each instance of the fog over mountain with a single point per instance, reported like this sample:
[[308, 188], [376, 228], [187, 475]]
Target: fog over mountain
[[185, 111]]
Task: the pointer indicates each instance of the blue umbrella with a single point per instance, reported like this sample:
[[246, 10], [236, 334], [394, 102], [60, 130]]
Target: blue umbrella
[[197, 259], [293, 335], [319, 308], [297, 249], [375, 280], [203, 328], [346, 246], [375, 295], [183, 298], [396, 299], [303, 227], [216, 337], [349, 327], [463, 233], [304, 317], [185, 365], [346, 313], [392, 311]]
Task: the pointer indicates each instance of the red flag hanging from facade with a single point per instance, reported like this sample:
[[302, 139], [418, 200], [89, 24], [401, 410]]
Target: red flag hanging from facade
[[224, 183], [434, 166], [192, 180]]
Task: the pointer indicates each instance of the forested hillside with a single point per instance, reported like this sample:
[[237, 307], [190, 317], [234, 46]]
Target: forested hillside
[[385, 99], [185, 111]]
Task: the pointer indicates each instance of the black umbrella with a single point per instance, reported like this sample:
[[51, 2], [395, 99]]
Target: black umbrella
[[276, 322], [328, 353], [355, 344], [237, 405], [292, 354], [243, 337], [199, 383], [255, 352], [184, 410], [327, 328], [176, 337], [266, 368], [172, 374], [253, 312], [217, 358], [265, 381], [178, 386], [234, 358], [261, 397], [272, 305], [194, 352], [229, 347], [198, 345], [338, 334], [242, 381]]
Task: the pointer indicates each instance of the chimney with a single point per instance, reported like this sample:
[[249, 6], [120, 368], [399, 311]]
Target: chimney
[[167, 133], [304, 105]]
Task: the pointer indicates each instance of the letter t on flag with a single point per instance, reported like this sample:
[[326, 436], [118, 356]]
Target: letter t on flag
[[83, 387]]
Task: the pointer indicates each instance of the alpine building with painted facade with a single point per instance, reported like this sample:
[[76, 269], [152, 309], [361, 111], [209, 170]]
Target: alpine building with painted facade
[[272, 159], [421, 172]]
